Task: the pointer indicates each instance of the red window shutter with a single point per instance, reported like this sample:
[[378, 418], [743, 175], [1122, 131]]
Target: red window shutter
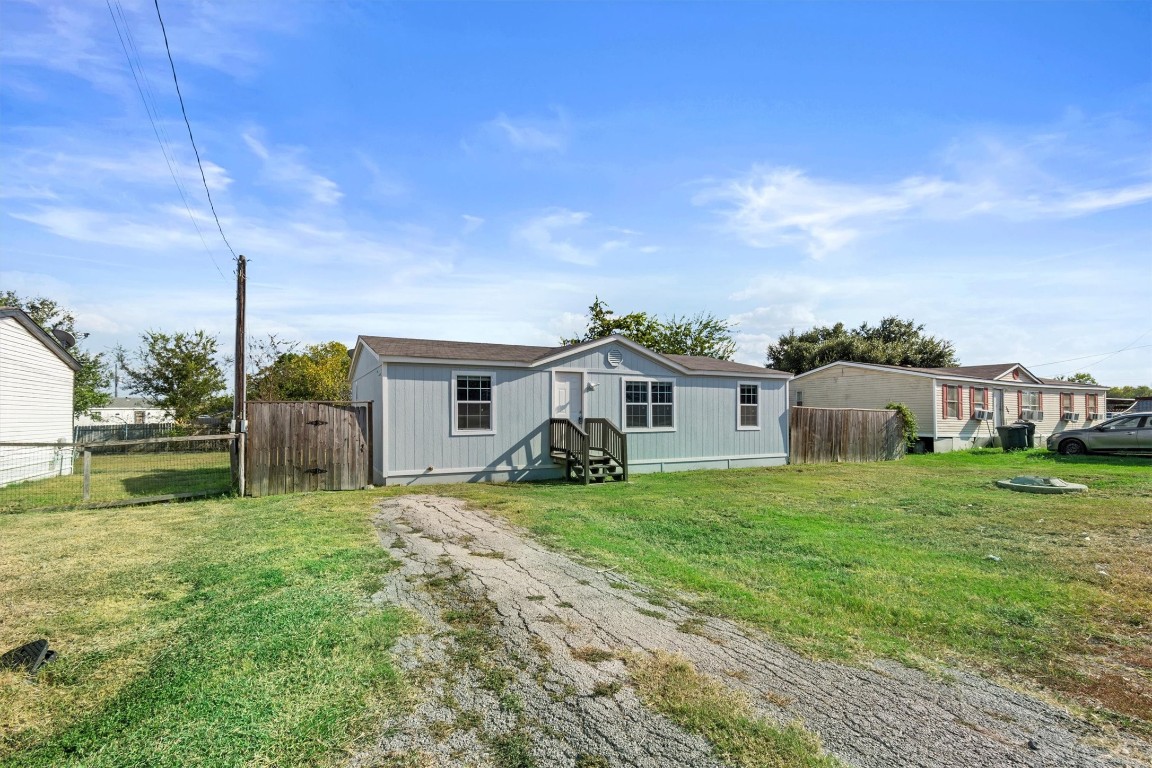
[[1019, 402], [1040, 402], [944, 401], [959, 402]]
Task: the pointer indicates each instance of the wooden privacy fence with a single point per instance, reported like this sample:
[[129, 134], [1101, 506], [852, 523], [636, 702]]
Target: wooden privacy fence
[[293, 447], [825, 435]]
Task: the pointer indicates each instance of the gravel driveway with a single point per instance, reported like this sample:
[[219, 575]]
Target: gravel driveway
[[519, 664]]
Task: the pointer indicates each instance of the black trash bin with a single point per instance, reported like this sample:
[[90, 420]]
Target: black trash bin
[[1031, 427], [1013, 437]]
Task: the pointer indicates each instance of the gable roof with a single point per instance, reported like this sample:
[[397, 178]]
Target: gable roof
[[529, 356], [993, 374], [21, 317]]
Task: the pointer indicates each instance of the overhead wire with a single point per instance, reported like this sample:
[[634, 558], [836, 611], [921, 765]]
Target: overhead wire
[[188, 124], [149, 99]]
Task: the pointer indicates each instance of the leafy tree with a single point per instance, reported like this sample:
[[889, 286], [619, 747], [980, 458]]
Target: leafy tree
[[1140, 390], [179, 372], [703, 334], [1079, 378], [894, 341], [320, 372], [93, 375]]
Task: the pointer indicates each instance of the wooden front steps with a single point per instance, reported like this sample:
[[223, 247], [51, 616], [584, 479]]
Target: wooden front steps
[[591, 454]]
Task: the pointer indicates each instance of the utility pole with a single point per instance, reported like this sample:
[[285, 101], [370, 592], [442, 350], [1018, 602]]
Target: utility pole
[[239, 399]]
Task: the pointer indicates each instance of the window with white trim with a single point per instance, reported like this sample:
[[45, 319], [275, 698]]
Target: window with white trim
[[472, 403], [979, 399], [1066, 402], [649, 405], [1091, 405], [1030, 400], [748, 406]]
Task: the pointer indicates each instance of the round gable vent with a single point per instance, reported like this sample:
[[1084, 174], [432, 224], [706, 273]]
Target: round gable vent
[[615, 357]]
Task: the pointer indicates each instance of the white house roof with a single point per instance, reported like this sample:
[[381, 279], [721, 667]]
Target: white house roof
[[391, 348], [43, 337], [998, 373]]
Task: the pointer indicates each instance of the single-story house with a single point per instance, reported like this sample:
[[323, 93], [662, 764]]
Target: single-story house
[[956, 407], [449, 411], [125, 410], [36, 378]]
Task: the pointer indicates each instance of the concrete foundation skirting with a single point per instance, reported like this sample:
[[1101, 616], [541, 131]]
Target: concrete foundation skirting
[[553, 472]]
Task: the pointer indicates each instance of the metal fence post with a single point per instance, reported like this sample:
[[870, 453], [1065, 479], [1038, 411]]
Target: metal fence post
[[87, 492], [240, 440]]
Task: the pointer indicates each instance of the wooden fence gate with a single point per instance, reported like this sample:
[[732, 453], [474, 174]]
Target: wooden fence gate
[[827, 435], [293, 447]]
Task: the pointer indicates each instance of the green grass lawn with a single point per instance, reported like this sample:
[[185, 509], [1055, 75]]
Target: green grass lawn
[[217, 633], [238, 632], [119, 477], [922, 560]]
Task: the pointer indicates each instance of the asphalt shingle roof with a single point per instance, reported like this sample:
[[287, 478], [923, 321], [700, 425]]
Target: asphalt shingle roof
[[433, 349]]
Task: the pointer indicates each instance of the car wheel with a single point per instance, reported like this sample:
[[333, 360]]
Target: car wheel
[[1073, 448]]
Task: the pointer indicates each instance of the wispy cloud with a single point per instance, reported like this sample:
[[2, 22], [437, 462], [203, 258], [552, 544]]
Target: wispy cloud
[[283, 166], [773, 206], [529, 134], [547, 235], [74, 38], [566, 235], [471, 223]]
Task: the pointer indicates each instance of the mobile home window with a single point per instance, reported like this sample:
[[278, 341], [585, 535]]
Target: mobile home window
[[138, 417], [749, 406], [473, 403], [649, 405], [1091, 404], [1030, 400], [1066, 402], [979, 399], [952, 402]]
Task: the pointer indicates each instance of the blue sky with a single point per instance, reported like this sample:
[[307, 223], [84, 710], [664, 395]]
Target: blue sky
[[480, 171]]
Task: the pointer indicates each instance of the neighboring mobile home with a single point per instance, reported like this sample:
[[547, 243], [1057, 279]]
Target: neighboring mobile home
[[956, 407], [36, 376], [125, 410], [447, 411]]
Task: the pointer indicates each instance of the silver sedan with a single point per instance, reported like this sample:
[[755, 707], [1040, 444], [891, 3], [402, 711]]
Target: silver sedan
[[1123, 433]]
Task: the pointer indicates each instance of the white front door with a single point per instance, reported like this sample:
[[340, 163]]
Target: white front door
[[997, 407], [567, 397]]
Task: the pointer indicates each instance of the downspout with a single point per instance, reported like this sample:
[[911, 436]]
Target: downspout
[[935, 410]]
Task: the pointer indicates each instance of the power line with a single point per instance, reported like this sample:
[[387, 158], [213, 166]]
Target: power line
[[187, 123], [153, 113], [1085, 357]]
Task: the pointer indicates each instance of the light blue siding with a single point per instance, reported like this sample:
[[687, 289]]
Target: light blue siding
[[705, 410], [420, 420], [632, 363], [418, 444]]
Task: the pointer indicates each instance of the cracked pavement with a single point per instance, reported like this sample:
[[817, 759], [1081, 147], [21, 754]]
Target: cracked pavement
[[511, 680]]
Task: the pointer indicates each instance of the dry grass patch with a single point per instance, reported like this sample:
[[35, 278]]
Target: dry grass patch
[[670, 685]]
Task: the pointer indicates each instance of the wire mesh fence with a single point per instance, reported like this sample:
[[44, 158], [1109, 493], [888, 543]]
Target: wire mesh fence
[[47, 475]]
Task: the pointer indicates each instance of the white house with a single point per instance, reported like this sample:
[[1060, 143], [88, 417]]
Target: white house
[[956, 407], [125, 410], [36, 376], [447, 411]]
